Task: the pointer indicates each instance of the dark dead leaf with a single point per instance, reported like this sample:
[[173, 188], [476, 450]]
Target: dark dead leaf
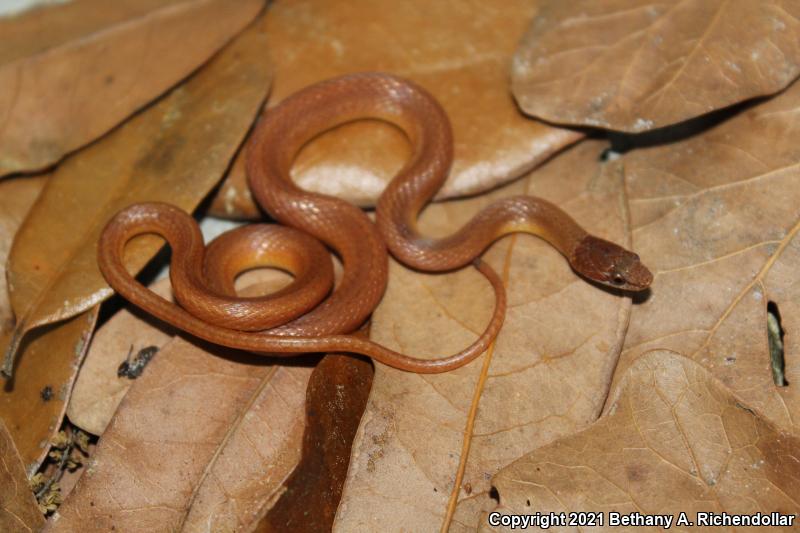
[[50, 358], [335, 400]]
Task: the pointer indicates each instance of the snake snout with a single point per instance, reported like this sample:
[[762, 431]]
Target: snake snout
[[610, 264], [633, 275]]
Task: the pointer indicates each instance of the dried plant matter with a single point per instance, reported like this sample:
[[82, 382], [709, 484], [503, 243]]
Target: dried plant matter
[[18, 510], [717, 218], [175, 151], [674, 440], [235, 421], [99, 388], [71, 72], [199, 438], [460, 51], [634, 65]]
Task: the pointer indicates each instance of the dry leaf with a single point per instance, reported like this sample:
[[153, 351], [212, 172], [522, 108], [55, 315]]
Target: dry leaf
[[634, 65], [202, 441], [18, 509], [460, 51], [716, 217], [32, 403], [551, 367], [69, 73], [16, 198], [336, 397], [99, 388], [173, 152], [674, 440], [234, 421]]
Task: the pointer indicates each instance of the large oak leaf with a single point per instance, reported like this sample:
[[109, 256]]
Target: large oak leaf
[[716, 216], [634, 65], [674, 440]]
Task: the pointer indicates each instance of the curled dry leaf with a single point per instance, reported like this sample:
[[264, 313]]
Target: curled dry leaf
[[202, 441], [551, 364], [99, 388], [69, 73], [460, 51], [18, 508], [174, 152], [633, 65], [716, 217], [674, 440]]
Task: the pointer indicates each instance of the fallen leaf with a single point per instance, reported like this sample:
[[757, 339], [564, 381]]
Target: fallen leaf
[[99, 388], [459, 51], [336, 397], [33, 402], [716, 218], [235, 420], [550, 369], [203, 439], [17, 195], [633, 65], [674, 440], [18, 509], [174, 152], [71, 72]]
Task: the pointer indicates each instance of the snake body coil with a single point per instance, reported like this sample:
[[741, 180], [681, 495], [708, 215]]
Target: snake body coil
[[292, 320]]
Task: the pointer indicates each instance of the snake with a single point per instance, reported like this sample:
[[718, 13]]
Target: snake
[[312, 314]]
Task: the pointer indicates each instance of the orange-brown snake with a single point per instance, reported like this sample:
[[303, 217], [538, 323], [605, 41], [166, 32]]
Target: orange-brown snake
[[293, 321]]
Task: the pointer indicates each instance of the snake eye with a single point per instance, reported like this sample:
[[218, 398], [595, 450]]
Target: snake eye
[[618, 280]]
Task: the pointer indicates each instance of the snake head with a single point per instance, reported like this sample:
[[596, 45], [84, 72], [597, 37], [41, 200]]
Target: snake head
[[612, 265]]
